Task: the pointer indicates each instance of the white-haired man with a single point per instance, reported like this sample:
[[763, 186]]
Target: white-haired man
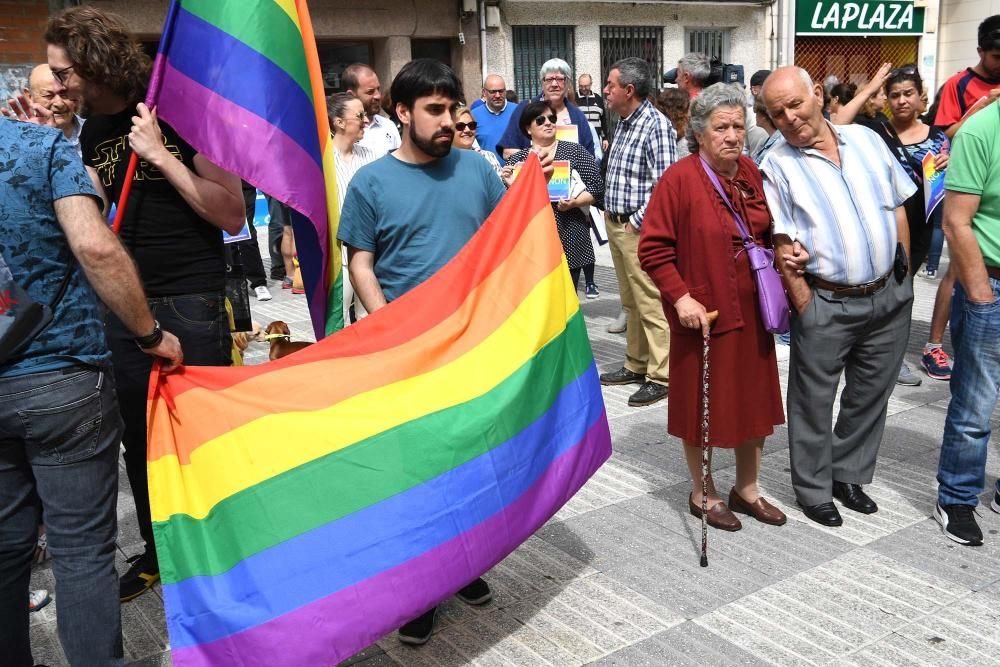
[[693, 73]]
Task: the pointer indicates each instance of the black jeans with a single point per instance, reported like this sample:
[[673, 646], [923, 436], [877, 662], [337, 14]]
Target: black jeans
[[200, 322], [249, 251], [59, 435]]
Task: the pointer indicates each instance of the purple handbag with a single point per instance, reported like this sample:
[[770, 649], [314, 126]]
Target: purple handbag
[[771, 296]]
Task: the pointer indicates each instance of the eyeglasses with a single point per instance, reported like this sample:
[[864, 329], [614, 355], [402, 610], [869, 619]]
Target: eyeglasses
[[361, 115], [552, 118], [498, 91], [61, 75], [462, 126], [554, 79]]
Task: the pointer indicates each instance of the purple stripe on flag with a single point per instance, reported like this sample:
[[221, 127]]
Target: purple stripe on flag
[[223, 132], [393, 597]]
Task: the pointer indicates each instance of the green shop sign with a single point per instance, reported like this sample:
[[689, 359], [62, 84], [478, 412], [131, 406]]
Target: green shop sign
[[858, 17]]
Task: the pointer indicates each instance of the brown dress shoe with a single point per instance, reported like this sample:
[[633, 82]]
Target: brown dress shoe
[[759, 509], [719, 515]]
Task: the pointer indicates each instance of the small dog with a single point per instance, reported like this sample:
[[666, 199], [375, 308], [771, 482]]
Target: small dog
[[280, 336]]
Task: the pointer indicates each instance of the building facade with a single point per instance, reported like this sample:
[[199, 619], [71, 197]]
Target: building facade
[[956, 43]]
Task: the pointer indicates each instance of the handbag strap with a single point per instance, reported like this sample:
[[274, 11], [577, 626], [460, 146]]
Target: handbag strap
[[743, 229]]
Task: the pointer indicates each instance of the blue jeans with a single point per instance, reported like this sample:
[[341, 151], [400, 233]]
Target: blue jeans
[[59, 436], [937, 240], [975, 386]]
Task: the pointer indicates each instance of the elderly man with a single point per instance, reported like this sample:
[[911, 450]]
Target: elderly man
[[643, 146], [592, 106], [556, 76], [836, 194], [381, 135], [47, 107], [494, 115], [693, 73]]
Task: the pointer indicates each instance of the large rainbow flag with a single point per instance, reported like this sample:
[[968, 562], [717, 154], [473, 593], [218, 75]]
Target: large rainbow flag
[[305, 507], [240, 80]]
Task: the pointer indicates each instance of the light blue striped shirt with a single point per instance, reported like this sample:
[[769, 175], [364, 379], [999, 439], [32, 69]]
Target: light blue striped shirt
[[844, 216]]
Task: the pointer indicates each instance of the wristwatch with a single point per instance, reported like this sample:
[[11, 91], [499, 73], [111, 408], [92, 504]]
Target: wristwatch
[[152, 340]]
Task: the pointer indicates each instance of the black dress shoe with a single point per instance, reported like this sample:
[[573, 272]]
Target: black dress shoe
[[825, 514], [854, 498], [648, 393], [622, 376]]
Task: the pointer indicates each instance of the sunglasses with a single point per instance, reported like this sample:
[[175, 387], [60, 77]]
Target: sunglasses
[[61, 75], [461, 127], [909, 70], [552, 118]]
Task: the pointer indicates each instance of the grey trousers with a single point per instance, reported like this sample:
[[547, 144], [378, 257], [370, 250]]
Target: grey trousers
[[864, 339]]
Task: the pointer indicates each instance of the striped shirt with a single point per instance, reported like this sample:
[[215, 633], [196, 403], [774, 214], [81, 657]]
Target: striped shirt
[[381, 136], [644, 145], [844, 216], [346, 170]]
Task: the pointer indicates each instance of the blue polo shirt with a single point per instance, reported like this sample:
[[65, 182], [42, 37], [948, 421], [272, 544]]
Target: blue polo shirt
[[491, 126]]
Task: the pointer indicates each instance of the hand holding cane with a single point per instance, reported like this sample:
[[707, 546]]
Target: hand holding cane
[[706, 335]]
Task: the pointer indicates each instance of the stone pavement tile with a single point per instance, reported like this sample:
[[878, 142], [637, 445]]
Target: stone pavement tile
[[915, 430], [949, 634], [684, 644], [45, 646], [923, 546], [159, 660], [775, 551], [895, 650], [823, 614], [42, 577], [619, 479], [144, 626], [373, 652]]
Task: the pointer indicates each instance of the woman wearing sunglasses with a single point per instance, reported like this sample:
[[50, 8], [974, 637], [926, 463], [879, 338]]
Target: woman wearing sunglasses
[[538, 123], [348, 120], [465, 137]]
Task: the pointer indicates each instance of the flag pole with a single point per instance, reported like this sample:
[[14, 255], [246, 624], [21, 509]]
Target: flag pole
[[152, 94]]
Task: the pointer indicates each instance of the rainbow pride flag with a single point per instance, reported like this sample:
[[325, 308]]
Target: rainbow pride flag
[[305, 507], [240, 80]]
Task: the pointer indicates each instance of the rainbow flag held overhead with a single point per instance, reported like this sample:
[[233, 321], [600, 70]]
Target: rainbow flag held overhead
[[305, 507], [240, 81]]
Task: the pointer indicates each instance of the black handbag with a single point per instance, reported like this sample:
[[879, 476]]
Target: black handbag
[[21, 317]]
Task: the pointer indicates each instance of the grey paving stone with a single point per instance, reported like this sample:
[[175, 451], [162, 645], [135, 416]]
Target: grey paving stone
[[45, 646], [685, 644]]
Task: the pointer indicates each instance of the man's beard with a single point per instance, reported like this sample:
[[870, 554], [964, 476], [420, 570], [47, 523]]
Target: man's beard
[[429, 146]]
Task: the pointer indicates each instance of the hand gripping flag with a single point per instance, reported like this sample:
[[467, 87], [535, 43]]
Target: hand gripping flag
[[240, 80], [305, 507]]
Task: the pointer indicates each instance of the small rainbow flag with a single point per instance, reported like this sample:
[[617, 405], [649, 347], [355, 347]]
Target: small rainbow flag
[[305, 507], [240, 80]]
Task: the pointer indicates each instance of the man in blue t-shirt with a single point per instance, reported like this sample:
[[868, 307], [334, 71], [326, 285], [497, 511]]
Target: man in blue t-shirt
[[58, 409], [407, 214], [493, 116]]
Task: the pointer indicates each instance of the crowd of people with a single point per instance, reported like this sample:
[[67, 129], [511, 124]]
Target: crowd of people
[[684, 182]]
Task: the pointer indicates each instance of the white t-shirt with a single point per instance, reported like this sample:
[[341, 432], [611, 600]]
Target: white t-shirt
[[381, 136]]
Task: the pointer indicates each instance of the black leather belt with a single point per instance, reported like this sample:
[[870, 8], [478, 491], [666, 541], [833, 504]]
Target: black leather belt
[[620, 219], [850, 290]]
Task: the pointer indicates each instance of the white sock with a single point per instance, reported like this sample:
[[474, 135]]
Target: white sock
[[931, 346]]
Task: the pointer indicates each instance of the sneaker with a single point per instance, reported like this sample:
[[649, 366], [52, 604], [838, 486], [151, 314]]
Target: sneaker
[[286, 282], [648, 393], [958, 522], [298, 290], [784, 339], [263, 294], [995, 503], [937, 364], [478, 592], [38, 599], [419, 630], [930, 274], [139, 578], [620, 324], [592, 292], [907, 377]]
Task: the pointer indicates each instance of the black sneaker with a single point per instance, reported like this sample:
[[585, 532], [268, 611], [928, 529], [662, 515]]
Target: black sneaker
[[995, 503], [139, 578], [478, 592], [648, 393], [958, 522], [419, 630], [622, 376]]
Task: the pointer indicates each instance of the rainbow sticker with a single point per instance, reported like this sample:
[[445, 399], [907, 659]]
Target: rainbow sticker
[[567, 133], [933, 185]]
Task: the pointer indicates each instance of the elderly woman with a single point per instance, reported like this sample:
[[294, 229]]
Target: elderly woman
[[538, 123], [465, 137], [692, 249], [557, 82]]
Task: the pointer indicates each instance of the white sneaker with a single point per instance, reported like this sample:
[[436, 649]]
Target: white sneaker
[[263, 294], [37, 599]]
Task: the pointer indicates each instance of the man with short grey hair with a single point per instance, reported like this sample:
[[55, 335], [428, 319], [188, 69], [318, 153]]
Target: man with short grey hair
[[643, 146], [842, 242], [693, 72]]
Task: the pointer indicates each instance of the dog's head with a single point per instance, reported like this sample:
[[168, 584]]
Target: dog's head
[[277, 330]]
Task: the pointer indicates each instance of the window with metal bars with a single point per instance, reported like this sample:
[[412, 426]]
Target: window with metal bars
[[713, 43], [533, 45], [644, 42]]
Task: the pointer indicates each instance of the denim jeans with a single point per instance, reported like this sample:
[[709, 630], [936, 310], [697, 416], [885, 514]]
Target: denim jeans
[[199, 321], [59, 436], [937, 240], [975, 386]]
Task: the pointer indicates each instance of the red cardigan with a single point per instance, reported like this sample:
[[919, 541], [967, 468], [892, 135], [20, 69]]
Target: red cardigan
[[687, 246]]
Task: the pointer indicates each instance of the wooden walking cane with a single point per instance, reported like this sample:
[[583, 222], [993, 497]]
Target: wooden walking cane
[[712, 316]]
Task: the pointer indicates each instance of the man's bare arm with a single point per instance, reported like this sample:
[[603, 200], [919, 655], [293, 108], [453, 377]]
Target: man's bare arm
[[963, 248], [798, 289], [361, 269], [903, 230]]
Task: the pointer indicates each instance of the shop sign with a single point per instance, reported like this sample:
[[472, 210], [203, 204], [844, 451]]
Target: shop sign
[[858, 17]]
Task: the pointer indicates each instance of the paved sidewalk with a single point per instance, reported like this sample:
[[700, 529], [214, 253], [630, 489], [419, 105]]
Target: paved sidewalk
[[613, 579]]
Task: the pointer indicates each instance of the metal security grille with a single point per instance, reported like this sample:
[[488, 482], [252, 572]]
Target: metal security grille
[[533, 45], [852, 59], [713, 43], [644, 42]]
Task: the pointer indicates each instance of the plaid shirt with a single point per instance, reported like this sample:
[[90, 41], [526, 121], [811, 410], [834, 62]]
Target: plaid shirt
[[644, 145]]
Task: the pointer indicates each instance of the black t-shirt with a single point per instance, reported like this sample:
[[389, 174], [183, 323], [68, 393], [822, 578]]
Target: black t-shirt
[[177, 251]]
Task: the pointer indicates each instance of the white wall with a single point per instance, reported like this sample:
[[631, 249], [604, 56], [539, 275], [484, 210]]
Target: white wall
[[750, 46], [956, 44]]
